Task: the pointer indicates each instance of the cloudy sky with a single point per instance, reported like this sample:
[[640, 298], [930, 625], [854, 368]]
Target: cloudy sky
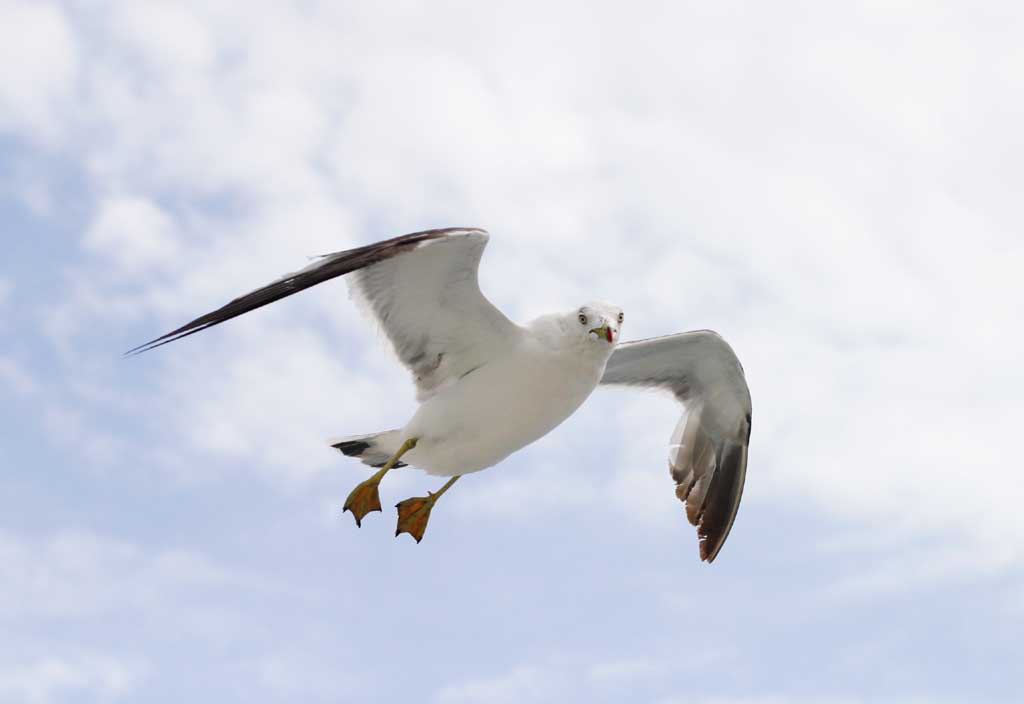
[[835, 187]]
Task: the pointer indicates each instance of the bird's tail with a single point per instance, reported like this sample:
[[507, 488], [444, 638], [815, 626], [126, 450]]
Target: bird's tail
[[374, 449]]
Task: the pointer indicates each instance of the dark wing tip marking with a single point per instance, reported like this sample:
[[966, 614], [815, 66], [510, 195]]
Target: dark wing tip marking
[[356, 448], [722, 502], [351, 448], [328, 267]]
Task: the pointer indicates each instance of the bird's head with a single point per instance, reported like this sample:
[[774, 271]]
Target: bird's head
[[597, 324]]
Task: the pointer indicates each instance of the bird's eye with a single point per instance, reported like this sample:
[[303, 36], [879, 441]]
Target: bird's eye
[[622, 316], [583, 319]]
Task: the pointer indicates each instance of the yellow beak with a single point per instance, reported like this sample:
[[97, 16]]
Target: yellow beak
[[604, 331]]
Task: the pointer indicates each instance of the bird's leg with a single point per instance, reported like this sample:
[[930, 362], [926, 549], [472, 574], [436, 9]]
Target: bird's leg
[[365, 497], [414, 513]]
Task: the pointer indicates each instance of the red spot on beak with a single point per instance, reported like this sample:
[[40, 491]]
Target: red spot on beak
[[608, 333]]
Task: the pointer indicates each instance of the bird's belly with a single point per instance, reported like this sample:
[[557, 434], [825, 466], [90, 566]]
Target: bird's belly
[[482, 420]]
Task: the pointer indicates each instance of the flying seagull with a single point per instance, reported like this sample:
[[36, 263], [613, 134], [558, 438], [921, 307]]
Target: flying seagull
[[488, 387]]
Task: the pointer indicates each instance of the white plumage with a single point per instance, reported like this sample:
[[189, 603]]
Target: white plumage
[[488, 387], [531, 385]]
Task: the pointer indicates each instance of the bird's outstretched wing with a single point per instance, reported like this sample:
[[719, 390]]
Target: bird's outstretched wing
[[421, 287], [708, 451]]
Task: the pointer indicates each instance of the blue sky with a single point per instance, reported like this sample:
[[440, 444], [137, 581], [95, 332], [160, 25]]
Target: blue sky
[[833, 187]]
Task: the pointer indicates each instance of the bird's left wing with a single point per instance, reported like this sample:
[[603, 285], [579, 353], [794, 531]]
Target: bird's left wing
[[708, 450], [421, 287]]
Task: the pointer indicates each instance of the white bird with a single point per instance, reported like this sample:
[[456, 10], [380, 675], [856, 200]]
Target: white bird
[[488, 387]]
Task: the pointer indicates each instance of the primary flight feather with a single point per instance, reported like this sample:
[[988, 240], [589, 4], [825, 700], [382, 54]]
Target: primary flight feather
[[488, 387]]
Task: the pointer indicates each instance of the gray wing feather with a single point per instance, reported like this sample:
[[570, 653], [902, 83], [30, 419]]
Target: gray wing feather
[[708, 450]]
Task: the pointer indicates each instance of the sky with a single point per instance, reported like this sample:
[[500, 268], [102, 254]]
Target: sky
[[834, 187]]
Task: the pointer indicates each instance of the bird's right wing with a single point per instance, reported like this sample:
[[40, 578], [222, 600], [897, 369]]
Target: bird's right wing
[[708, 450], [422, 288]]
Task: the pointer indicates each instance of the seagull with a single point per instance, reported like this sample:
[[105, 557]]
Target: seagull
[[488, 387]]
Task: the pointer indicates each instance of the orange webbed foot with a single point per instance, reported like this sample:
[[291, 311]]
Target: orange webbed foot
[[363, 499], [413, 515]]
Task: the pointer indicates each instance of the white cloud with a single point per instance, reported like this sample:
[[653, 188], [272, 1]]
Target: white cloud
[[922, 568], [38, 64], [54, 678], [291, 674], [522, 685], [572, 677], [635, 679], [171, 37], [133, 233], [616, 672], [82, 575], [99, 592]]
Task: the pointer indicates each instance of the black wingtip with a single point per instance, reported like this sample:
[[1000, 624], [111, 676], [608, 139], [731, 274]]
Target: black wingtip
[[162, 340], [351, 448], [722, 502], [136, 351]]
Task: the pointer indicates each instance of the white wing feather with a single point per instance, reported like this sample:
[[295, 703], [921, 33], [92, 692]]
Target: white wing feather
[[429, 304]]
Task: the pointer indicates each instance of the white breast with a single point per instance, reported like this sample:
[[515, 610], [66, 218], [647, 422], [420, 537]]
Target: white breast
[[501, 407]]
